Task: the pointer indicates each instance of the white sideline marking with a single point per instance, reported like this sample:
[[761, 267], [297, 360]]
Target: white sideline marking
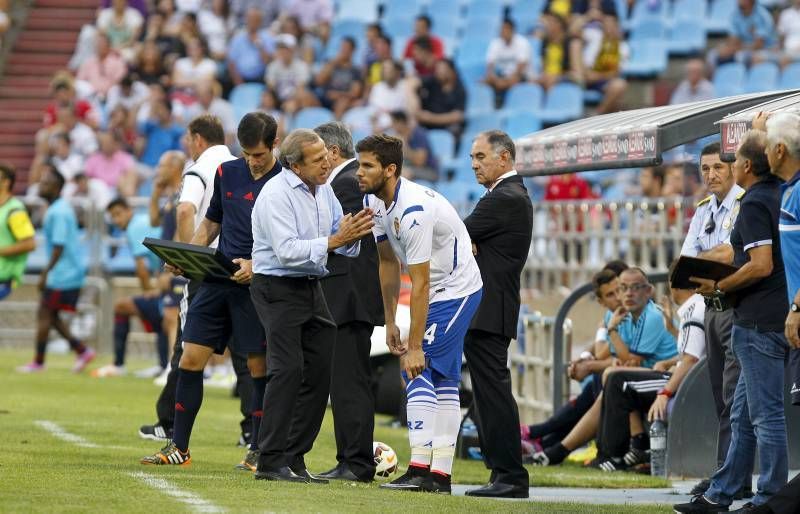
[[198, 504], [59, 433]]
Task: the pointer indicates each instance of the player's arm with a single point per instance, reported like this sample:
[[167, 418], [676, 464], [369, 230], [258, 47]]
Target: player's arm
[[22, 229], [721, 253], [211, 225], [184, 216], [413, 362], [206, 232], [58, 250], [143, 273], [389, 275], [153, 209]]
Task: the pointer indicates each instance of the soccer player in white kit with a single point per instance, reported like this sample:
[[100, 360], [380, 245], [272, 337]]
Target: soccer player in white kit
[[421, 229]]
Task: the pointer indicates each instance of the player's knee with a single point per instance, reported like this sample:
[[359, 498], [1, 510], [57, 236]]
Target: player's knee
[[257, 365], [193, 358]]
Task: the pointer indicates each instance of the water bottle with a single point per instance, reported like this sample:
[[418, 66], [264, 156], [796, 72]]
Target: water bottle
[[658, 449]]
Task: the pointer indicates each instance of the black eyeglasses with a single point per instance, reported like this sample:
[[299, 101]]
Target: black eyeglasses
[[711, 225]]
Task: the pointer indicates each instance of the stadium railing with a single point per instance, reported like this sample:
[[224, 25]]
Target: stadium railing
[[532, 363], [574, 239]]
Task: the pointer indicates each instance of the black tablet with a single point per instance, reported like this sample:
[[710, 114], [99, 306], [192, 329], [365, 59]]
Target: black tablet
[[197, 262]]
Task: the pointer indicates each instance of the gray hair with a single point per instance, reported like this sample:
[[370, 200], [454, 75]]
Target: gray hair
[[335, 133], [500, 142], [784, 128], [292, 146], [176, 157]]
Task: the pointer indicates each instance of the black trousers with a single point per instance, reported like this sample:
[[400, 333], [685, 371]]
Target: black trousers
[[300, 334], [723, 368], [352, 400], [625, 392], [563, 420], [165, 405], [497, 415], [787, 499]]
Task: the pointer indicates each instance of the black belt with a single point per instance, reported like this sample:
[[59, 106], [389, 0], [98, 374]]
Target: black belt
[[299, 278]]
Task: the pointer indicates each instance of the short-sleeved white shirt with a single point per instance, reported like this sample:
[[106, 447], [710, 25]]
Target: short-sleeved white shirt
[[506, 57], [198, 181], [421, 226], [692, 338]]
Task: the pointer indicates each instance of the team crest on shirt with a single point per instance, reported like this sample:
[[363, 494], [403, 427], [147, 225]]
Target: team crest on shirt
[[397, 227]]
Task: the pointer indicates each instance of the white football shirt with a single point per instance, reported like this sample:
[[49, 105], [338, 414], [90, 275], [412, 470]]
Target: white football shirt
[[421, 225], [198, 181], [692, 338]]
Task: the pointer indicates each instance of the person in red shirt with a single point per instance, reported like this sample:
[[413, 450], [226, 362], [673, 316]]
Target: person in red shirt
[[567, 187], [63, 91], [422, 27]]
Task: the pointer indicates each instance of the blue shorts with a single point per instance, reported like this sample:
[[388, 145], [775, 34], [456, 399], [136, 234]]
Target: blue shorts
[[445, 328], [172, 297], [6, 288], [224, 312], [150, 313], [61, 299]]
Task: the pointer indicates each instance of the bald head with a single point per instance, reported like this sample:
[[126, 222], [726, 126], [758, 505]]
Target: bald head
[[170, 167]]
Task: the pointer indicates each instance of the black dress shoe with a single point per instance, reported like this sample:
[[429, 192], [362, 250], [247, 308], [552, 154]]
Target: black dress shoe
[[311, 479], [283, 474], [499, 490], [341, 472]]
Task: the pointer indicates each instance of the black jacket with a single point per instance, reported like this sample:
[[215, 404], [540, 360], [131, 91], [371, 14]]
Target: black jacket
[[352, 288], [501, 227]]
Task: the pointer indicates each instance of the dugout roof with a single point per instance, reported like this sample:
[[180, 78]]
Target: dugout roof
[[629, 138], [733, 126]]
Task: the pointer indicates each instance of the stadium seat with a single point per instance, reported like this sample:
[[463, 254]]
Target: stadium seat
[[471, 73], [525, 97], [121, 262], [695, 10], [536, 54], [518, 124], [364, 10], [480, 99], [687, 37], [310, 117], [645, 9], [398, 10], [526, 14], [445, 23], [622, 10], [648, 59], [647, 28], [358, 119], [790, 77], [443, 145], [762, 77], [729, 79], [489, 26], [718, 20], [592, 96], [245, 98], [489, 120], [563, 102], [399, 29], [354, 28], [472, 50]]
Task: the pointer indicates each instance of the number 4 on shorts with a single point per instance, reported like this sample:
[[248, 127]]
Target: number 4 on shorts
[[430, 333]]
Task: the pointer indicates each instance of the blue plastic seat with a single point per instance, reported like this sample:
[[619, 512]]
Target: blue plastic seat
[[518, 124], [471, 74], [480, 99], [790, 76], [443, 144], [472, 50], [122, 262], [644, 9], [563, 102], [647, 28], [354, 28], [364, 10], [718, 20], [524, 97], [526, 14], [445, 23], [695, 10], [729, 79], [491, 120], [397, 10], [762, 77], [648, 59], [358, 119], [310, 117], [245, 98], [687, 37]]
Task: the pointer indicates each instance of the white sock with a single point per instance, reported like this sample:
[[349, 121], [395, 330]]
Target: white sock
[[421, 413], [448, 421]]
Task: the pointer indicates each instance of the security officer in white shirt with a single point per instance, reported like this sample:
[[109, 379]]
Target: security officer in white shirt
[[709, 238]]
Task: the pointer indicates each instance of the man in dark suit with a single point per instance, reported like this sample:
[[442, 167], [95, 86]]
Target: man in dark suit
[[500, 228], [352, 289]]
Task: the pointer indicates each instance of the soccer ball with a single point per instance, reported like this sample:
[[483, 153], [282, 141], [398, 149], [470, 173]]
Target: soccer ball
[[385, 459]]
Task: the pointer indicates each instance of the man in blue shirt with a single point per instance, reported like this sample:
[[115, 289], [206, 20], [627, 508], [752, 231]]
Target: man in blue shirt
[[161, 133], [296, 222], [221, 310], [752, 36], [757, 413], [147, 306], [250, 50], [62, 278]]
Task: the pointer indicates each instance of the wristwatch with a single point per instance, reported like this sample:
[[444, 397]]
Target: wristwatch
[[717, 290], [794, 307]]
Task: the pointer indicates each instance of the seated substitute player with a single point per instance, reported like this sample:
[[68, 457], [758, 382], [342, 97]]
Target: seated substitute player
[[219, 309], [16, 234], [421, 229], [148, 306], [62, 278]]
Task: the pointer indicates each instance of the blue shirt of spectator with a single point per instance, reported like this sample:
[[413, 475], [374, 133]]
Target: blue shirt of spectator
[[292, 228], [647, 336], [139, 228], [235, 193], [160, 139], [789, 228], [61, 229], [761, 306], [418, 140], [758, 25], [246, 56]]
